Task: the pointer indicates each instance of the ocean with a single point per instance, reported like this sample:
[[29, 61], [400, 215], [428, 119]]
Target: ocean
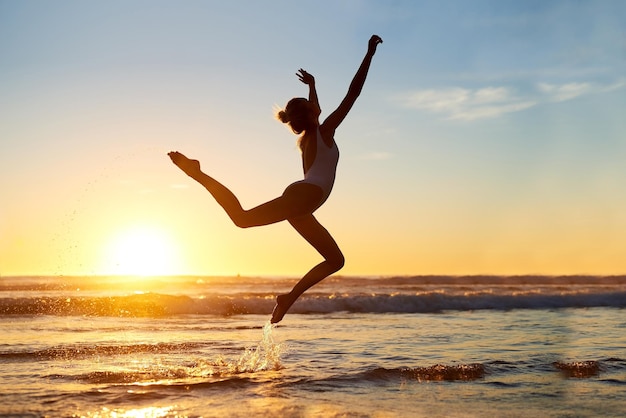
[[426, 346]]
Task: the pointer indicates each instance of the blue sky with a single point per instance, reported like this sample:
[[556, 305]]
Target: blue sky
[[489, 137]]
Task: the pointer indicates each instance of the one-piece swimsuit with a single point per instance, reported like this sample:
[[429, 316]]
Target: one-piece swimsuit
[[322, 171]]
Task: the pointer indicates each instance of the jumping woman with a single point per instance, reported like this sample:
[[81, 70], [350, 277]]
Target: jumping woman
[[300, 199]]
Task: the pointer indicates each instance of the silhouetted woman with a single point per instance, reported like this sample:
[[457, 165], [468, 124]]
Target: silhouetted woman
[[302, 198]]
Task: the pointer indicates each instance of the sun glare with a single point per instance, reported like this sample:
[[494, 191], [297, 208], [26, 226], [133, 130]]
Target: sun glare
[[141, 252]]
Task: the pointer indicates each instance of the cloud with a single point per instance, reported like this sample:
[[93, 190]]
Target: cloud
[[619, 84], [490, 102], [492, 111], [565, 91], [466, 104]]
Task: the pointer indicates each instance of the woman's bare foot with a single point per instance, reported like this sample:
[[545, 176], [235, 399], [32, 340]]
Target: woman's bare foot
[[189, 167], [283, 303]]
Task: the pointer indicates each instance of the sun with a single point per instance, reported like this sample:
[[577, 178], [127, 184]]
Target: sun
[[141, 251]]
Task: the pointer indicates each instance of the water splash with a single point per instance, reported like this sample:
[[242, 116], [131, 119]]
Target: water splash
[[262, 357], [265, 356], [134, 368]]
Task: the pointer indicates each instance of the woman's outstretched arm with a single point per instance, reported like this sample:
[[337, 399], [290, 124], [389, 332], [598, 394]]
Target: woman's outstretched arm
[[309, 80], [335, 118]]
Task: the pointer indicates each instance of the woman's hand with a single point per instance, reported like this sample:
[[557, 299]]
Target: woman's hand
[[305, 77], [373, 43], [309, 80]]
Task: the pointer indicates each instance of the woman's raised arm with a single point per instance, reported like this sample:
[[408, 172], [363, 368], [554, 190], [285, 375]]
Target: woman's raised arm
[[309, 80], [335, 118]]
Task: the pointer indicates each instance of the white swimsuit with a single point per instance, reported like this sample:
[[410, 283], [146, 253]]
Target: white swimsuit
[[322, 171]]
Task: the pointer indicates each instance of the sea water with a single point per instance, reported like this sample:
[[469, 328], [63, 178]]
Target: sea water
[[351, 347]]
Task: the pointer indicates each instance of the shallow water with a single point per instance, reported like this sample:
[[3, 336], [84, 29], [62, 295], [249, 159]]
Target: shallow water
[[543, 361]]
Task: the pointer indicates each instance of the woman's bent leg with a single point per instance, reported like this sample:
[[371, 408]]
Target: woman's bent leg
[[323, 242]]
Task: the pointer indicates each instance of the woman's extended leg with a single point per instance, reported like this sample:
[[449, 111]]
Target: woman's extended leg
[[323, 242], [298, 199]]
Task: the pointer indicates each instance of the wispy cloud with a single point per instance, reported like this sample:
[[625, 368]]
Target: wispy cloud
[[466, 104], [490, 102], [619, 84], [561, 93]]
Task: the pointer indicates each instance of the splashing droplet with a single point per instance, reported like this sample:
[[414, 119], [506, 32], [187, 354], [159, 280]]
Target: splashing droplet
[[265, 356]]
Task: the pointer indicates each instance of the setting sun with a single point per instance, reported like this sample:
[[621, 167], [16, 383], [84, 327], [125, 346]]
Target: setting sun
[[141, 251]]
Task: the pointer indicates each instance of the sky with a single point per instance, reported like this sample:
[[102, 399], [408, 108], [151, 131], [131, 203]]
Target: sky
[[489, 138]]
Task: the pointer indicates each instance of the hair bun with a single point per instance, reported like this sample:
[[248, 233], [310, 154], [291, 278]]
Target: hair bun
[[283, 116]]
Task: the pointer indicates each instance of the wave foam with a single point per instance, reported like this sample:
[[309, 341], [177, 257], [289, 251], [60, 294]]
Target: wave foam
[[157, 305]]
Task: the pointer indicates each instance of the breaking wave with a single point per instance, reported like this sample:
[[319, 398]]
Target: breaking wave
[[163, 305]]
